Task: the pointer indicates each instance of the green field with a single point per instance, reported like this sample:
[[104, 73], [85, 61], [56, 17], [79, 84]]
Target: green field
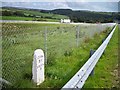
[[37, 13], [31, 15], [27, 18], [66, 52], [16, 18]]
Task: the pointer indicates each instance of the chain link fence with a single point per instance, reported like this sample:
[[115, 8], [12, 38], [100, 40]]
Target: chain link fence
[[0, 54], [20, 40]]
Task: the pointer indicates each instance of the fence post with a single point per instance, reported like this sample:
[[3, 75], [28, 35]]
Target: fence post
[[77, 36], [38, 67], [45, 44], [91, 53], [102, 42]]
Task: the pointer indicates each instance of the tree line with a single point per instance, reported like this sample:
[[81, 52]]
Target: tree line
[[75, 16]]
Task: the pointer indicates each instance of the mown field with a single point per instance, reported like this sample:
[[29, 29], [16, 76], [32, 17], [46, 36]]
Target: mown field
[[67, 48], [15, 18], [27, 18]]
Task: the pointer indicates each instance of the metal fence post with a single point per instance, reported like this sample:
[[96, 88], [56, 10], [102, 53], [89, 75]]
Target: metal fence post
[[45, 44], [91, 53], [77, 36], [103, 40]]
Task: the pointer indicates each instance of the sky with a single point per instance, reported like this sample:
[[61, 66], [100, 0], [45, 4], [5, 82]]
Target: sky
[[91, 5]]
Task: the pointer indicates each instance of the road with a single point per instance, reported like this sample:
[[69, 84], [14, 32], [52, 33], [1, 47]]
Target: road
[[18, 21]]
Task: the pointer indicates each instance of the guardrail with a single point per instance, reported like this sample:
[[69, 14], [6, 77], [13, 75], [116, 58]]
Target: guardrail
[[78, 80]]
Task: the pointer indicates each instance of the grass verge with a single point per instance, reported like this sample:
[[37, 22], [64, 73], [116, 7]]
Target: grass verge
[[58, 74], [106, 70]]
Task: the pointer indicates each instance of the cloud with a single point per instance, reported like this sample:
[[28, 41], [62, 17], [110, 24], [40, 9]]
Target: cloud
[[60, 0], [60, 5], [92, 6], [37, 5]]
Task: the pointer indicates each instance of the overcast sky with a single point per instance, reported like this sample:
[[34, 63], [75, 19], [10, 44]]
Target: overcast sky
[[92, 5]]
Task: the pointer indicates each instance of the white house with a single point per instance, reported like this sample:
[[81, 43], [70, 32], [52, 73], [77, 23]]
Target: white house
[[65, 20]]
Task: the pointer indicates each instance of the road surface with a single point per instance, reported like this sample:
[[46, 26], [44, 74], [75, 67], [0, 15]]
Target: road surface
[[18, 21]]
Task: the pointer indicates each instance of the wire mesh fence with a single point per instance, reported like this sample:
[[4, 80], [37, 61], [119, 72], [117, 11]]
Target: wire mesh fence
[[0, 54], [20, 40]]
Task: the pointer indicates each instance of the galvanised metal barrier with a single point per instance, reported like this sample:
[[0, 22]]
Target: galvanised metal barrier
[[78, 80]]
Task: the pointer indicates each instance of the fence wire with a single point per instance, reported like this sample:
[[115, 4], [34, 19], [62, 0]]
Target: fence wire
[[20, 40], [0, 54]]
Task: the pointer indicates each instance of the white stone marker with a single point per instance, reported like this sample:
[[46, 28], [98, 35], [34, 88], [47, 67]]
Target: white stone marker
[[38, 67]]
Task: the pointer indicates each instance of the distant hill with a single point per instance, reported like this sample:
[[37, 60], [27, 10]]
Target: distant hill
[[74, 15], [86, 16], [32, 14]]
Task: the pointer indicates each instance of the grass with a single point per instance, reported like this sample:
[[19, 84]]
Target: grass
[[20, 40], [16, 18], [54, 17], [27, 18], [43, 14], [106, 70]]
